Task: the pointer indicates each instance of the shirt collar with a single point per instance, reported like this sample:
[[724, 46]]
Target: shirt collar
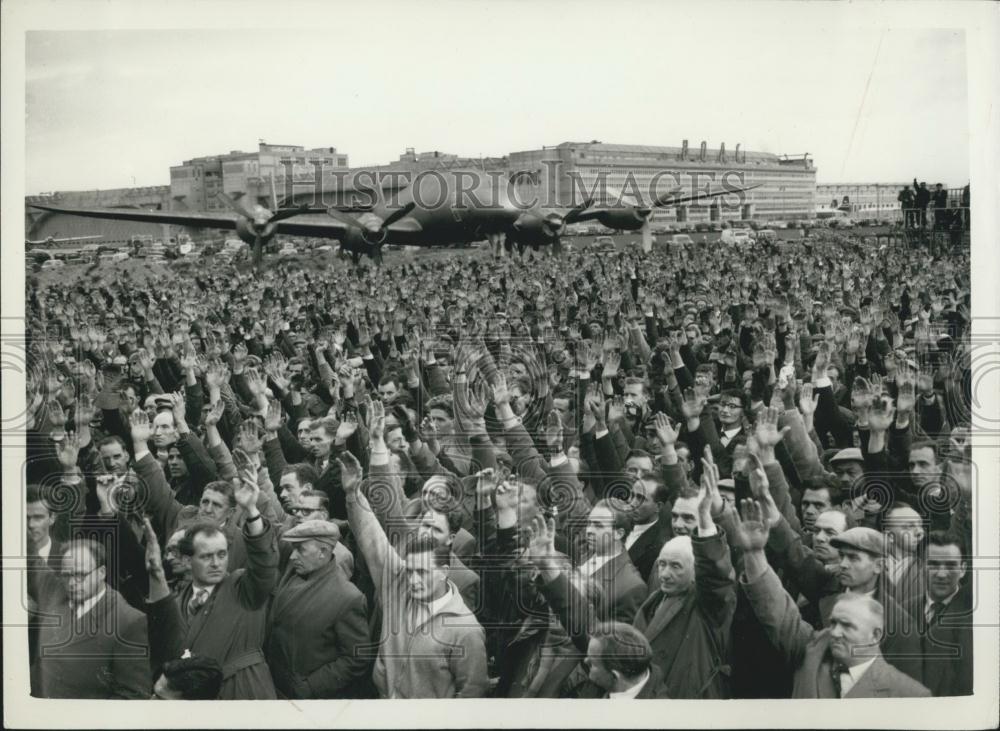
[[83, 607], [946, 601], [45, 550], [439, 604], [208, 587], [856, 671], [633, 691]]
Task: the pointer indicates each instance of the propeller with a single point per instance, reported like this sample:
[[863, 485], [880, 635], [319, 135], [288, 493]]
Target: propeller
[[374, 229], [260, 225]]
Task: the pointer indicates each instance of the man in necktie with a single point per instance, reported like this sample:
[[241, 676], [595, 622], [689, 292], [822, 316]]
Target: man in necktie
[[843, 660], [944, 616], [98, 646]]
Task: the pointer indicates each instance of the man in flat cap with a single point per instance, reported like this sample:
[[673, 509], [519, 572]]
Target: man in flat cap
[[843, 660], [862, 571], [317, 627]]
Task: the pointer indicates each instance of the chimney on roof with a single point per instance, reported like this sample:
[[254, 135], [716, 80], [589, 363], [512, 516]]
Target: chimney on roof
[[738, 152], [704, 149], [722, 152], [684, 150]]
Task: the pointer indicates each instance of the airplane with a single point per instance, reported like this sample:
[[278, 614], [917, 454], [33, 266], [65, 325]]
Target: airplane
[[364, 228], [53, 241]]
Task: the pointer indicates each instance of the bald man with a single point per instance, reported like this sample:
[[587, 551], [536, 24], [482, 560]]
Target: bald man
[[688, 617], [844, 659], [905, 530]]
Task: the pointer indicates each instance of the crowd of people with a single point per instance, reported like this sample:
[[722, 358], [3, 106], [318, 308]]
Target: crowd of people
[[695, 473]]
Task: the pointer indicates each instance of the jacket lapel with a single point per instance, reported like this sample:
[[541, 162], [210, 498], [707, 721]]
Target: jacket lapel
[[872, 682], [663, 615]]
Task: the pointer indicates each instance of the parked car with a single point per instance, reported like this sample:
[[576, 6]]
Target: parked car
[[53, 264], [681, 240], [767, 234], [742, 236]]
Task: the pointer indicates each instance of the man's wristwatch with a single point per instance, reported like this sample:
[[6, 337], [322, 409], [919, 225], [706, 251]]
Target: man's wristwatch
[[259, 516]]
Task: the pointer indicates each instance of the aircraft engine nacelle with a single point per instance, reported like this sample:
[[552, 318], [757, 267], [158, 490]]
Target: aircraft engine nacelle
[[625, 219], [362, 241]]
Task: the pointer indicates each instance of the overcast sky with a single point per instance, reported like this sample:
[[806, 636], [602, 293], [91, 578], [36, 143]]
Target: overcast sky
[[870, 104]]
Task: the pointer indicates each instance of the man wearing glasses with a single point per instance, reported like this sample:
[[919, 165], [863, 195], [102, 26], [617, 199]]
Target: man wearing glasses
[[93, 644]]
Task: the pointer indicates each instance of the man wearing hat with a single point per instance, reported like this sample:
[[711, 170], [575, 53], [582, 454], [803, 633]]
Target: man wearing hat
[[849, 467], [317, 625], [862, 571], [843, 660]]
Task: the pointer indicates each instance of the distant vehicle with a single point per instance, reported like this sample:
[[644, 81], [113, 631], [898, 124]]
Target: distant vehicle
[[53, 264], [681, 240], [767, 234], [779, 224], [288, 251], [715, 226], [742, 236], [841, 223], [702, 228], [604, 240]]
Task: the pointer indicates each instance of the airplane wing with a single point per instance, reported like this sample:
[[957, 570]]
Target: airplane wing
[[321, 227], [667, 201], [176, 218]]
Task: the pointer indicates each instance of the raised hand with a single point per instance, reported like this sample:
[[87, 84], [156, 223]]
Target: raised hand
[[345, 430], [350, 472], [154, 557], [68, 451], [216, 375], [376, 421], [501, 394], [541, 535], [808, 401], [249, 438], [554, 431], [246, 490], [666, 432], [691, 405], [140, 427], [710, 502], [751, 531], [616, 409], [179, 406], [214, 414], [57, 417], [84, 412], [507, 497], [881, 415], [766, 430]]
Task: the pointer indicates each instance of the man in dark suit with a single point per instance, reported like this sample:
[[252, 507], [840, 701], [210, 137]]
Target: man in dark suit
[[943, 617], [96, 645], [650, 525], [841, 661], [609, 565], [44, 559]]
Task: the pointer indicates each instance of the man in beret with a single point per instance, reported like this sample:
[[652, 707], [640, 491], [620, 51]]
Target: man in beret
[[317, 626]]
